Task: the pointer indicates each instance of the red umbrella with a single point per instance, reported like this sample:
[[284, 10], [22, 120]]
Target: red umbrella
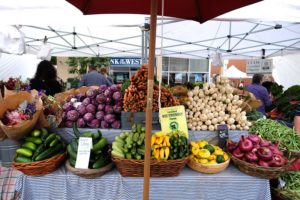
[[198, 10]]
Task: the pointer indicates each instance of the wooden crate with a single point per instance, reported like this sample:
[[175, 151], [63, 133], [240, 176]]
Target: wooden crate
[[129, 118]]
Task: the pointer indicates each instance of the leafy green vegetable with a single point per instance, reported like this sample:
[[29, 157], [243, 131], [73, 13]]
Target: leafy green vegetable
[[125, 85], [292, 187], [254, 115]]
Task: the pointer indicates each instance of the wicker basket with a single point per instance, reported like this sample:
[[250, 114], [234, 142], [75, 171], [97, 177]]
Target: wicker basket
[[208, 168], [42, 167], [90, 173], [258, 171], [158, 168]]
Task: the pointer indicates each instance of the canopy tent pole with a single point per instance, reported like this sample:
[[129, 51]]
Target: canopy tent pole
[[150, 85]]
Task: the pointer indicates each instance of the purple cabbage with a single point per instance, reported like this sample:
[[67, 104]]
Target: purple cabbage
[[104, 124], [81, 109], [80, 97], [117, 96], [100, 115], [101, 107], [64, 116], [109, 109], [91, 108], [117, 108], [72, 115], [110, 118], [108, 93], [68, 124], [80, 123], [114, 88], [88, 117], [102, 88], [91, 93], [94, 102], [116, 124], [100, 98], [67, 106], [86, 101], [108, 100], [95, 123]]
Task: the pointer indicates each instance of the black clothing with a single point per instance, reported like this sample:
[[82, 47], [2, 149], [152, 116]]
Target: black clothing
[[51, 87]]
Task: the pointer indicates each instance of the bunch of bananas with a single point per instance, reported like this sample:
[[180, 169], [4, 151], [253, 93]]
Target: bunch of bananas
[[204, 153], [160, 144]]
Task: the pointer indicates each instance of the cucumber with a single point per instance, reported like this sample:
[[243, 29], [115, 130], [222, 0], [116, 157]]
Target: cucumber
[[50, 138], [74, 145], [101, 162], [96, 136], [72, 154], [100, 144], [39, 150], [36, 133], [75, 130], [24, 152], [29, 145], [35, 140], [49, 152], [44, 134], [87, 134], [54, 142], [72, 162], [133, 128], [117, 153], [22, 159]]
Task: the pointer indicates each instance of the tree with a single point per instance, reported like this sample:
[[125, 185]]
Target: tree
[[79, 65]]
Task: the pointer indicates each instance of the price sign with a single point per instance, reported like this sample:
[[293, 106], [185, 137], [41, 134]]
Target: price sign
[[173, 119], [83, 153], [222, 131]]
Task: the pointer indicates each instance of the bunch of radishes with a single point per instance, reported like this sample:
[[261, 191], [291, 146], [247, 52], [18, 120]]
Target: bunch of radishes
[[255, 150]]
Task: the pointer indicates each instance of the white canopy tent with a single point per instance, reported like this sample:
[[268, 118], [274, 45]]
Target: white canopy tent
[[233, 72]]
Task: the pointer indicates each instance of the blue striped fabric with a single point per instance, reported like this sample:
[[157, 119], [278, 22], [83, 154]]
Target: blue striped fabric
[[297, 111], [230, 184]]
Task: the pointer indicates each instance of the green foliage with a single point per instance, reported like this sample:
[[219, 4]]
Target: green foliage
[[125, 85], [53, 60], [74, 82], [79, 65]]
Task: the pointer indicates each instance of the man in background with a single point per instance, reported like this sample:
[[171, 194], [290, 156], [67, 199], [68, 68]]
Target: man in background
[[260, 92], [93, 78]]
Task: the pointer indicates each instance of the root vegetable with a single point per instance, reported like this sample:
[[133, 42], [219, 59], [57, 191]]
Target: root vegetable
[[204, 127], [211, 128], [208, 122]]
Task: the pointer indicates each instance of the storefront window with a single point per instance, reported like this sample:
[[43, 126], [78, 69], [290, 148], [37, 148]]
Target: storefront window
[[179, 64], [178, 78], [197, 65]]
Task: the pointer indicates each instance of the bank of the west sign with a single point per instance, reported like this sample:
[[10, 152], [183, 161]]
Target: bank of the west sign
[[125, 62]]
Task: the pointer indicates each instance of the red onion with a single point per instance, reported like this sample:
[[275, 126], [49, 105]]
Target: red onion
[[245, 144], [254, 138], [263, 163], [264, 153], [264, 143], [275, 150], [278, 161], [231, 145], [238, 153], [252, 157]]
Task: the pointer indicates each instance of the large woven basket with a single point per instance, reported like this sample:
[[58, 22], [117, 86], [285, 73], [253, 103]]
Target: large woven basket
[[90, 173], [42, 167], [158, 168], [258, 171], [208, 168]]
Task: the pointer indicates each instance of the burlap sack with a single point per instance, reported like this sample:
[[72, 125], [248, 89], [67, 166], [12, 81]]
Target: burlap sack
[[12, 102]]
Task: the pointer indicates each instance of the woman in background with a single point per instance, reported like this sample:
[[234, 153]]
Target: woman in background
[[45, 79]]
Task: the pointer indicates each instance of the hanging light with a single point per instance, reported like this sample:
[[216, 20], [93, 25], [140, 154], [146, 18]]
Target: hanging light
[[12, 40], [217, 59], [45, 51]]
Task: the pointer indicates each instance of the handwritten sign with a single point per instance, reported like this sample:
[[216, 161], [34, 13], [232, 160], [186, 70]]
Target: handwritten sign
[[83, 154], [222, 131], [173, 119]]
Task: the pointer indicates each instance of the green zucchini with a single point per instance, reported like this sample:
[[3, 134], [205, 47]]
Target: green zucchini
[[39, 150], [24, 152], [36, 133], [22, 159], [72, 162], [50, 138], [100, 144], [75, 130], [54, 142], [49, 152], [44, 134], [74, 145], [29, 145], [72, 154], [35, 140], [101, 162], [87, 134]]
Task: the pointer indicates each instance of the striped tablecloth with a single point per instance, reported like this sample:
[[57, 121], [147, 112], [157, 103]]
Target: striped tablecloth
[[228, 185], [8, 178]]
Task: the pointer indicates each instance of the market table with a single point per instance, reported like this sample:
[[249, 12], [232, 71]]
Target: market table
[[230, 184]]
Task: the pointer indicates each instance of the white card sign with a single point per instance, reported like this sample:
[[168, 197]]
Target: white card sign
[[83, 153]]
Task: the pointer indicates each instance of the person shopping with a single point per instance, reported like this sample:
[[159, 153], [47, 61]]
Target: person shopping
[[260, 92], [93, 78], [103, 71], [45, 79]]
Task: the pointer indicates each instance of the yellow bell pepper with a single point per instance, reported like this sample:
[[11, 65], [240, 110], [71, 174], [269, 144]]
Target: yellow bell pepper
[[204, 153]]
